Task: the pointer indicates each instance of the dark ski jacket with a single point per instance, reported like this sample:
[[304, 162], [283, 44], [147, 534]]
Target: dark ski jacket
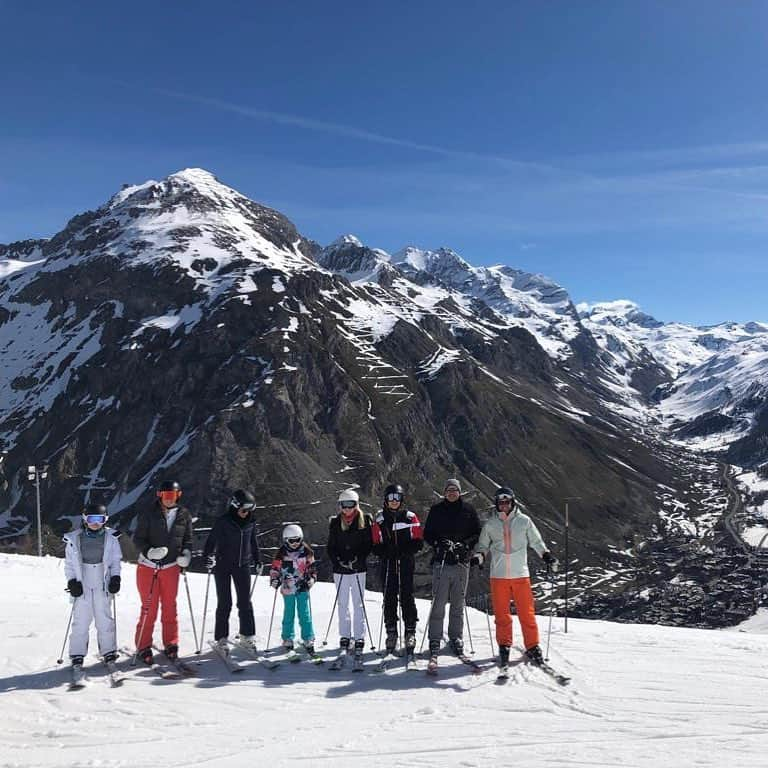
[[348, 549], [152, 531], [452, 529], [233, 540], [397, 534]]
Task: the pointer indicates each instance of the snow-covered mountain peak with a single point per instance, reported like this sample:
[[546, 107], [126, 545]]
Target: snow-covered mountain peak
[[621, 312], [443, 264]]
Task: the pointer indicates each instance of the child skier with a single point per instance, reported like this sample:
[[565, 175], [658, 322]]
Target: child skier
[[350, 541], [398, 537], [506, 537], [92, 567], [230, 551], [293, 572]]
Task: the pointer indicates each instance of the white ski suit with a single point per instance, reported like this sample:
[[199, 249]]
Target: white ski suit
[[95, 601]]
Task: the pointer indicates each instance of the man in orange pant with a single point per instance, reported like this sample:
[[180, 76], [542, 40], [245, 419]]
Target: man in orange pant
[[506, 537]]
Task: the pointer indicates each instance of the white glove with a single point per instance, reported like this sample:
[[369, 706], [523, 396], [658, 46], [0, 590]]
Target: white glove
[[157, 553], [184, 559]]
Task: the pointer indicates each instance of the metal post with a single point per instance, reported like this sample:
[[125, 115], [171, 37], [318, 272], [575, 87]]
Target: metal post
[[567, 567], [39, 516]]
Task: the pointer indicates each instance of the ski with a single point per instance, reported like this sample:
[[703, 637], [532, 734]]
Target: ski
[[158, 669], [254, 654], [229, 663], [503, 675], [558, 678], [182, 667], [385, 663], [292, 657], [464, 659], [412, 664], [339, 662], [314, 657]]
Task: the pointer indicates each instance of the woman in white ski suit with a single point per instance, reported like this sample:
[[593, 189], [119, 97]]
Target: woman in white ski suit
[[94, 603]]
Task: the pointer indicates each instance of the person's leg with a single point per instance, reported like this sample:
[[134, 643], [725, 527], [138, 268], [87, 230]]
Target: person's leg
[[105, 623], [441, 578], [242, 579], [501, 592], [169, 589], [458, 590], [358, 585], [223, 604], [149, 593], [390, 596], [344, 583], [305, 617], [289, 616], [81, 624], [407, 600], [522, 594]]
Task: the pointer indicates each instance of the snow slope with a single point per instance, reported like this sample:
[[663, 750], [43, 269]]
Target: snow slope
[[640, 696]]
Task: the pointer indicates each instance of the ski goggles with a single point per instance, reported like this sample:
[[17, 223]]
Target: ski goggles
[[168, 496], [394, 497], [294, 541], [247, 506], [504, 499], [347, 504], [95, 519]]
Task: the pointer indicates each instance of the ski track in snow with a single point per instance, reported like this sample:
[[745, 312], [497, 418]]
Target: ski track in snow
[[640, 696]]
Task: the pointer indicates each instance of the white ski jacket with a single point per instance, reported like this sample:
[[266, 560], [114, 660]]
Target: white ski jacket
[[507, 542], [73, 561]]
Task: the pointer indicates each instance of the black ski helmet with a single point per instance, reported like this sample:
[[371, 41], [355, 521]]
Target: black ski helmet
[[95, 509], [169, 485], [394, 488], [504, 493], [242, 498]]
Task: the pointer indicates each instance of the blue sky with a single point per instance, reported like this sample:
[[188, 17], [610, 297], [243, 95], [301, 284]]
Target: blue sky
[[619, 147]]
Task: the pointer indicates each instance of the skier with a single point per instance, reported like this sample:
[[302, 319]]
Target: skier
[[452, 530], [230, 551], [507, 536], [163, 537], [398, 537], [293, 572], [350, 541], [92, 567]]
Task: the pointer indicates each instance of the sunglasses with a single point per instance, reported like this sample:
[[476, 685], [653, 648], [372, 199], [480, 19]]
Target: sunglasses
[[504, 499], [452, 490], [96, 519], [294, 540], [168, 495], [394, 497], [347, 504]]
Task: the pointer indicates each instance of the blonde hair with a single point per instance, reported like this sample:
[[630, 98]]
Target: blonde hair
[[345, 526]]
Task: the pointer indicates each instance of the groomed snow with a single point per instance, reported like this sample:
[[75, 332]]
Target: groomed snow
[[641, 696]]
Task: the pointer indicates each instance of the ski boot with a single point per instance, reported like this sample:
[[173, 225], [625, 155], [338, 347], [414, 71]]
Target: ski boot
[[535, 655], [457, 646], [357, 664], [390, 644], [145, 655], [171, 652]]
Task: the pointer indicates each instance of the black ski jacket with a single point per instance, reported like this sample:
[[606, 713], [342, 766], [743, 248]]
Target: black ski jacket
[[233, 541], [152, 531], [452, 529], [348, 550], [397, 534]]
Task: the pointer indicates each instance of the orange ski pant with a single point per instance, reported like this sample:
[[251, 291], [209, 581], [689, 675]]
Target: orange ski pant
[[518, 590], [163, 593]]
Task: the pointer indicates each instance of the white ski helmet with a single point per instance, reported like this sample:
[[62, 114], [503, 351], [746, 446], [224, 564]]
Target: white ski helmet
[[292, 531], [348, 495]]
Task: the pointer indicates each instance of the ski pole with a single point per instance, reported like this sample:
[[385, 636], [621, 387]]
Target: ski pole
[[551, 608], [469, 630], [365, 613], [114, 616], [60, 660], [271, 618], [488, 621], [145, 613], [333, 610], [432, 604], [189, 603], [259, 570], [205, 612]]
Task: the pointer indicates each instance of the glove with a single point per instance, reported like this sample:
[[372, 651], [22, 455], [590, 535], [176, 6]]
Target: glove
[[184, 559], [302, 586], [274, 582], [157, 553], [550, 560], [446, 544], [477, 559], [114, 585], [75, 588], [210, 562]]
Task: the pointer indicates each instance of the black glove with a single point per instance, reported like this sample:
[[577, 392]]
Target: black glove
[[302, 586], [114, 585], [477, 559], [550, 560], [446, 544], [75, 588], [210, 562], [460, 549]]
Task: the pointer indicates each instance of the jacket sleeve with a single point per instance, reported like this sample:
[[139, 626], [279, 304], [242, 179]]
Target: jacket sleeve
[[70, 555], [534, 538], [416, 539], [473, 528], [186, 542], [430, 534], [484, 542], [255, 551], [212, 542], [367, 545], [275, 570], [379, 548], [141, 534], [115, 556], [332, 546]]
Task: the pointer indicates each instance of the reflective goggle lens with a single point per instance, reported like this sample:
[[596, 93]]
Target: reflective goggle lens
[[294, 540], [169, 495], [394, 497], [504, 499], [347, 504], [94, 519]]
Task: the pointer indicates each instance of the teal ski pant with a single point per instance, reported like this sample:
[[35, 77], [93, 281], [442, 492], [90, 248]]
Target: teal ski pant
[[291, 605]]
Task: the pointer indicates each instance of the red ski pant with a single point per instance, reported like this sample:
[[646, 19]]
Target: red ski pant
[[518, 590], [157, 587]]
